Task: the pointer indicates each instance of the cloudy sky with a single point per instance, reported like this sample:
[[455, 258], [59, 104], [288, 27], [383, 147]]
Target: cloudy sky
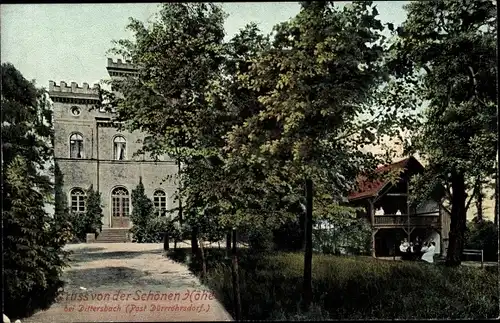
[[68, 42]]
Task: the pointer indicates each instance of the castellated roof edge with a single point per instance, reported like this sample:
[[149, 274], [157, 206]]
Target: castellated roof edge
[[73, 88], [121, 64]]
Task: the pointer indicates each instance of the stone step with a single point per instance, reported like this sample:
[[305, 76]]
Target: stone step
[[108, 235]]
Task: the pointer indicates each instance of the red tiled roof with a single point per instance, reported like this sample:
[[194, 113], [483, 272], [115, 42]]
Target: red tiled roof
[[368, 188]]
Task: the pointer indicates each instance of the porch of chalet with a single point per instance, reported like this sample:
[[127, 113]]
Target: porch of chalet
[[385, 205]]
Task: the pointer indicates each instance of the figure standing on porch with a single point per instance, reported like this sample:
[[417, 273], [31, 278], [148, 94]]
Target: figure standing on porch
[[429, 251], [379, 211]]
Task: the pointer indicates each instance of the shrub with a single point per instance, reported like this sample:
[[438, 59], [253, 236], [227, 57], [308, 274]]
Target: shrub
[[353, 237], [289, 236], [89, 221], [260, 240], [142, 216]]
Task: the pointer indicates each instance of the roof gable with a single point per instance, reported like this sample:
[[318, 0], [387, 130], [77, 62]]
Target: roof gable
[[371, 187]]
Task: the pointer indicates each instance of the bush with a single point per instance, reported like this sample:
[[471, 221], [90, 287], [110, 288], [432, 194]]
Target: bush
[[143, 230], [91, 220], [351, 287], [289, 236], [261, 240], [352, 238]]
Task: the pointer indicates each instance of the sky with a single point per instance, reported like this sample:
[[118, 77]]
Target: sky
[[68, 42]]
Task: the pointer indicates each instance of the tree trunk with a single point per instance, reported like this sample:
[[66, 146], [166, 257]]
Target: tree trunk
[[180, 196], [194, 241], [236, 281], [228, 244], [307, 287], [458, 221], [497, 188], [479, 200], [302, 222], [203, 262]]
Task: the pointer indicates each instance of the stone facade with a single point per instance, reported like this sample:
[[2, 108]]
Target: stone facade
[[87, 154]]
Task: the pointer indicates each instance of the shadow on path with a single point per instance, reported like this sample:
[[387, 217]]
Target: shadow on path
[[88, 254], [96, 277]]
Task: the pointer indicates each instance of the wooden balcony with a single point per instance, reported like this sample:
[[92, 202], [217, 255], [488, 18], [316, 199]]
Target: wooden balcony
[[423, 220]]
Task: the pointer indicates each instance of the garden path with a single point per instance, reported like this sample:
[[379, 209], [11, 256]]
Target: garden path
[[129, 282]]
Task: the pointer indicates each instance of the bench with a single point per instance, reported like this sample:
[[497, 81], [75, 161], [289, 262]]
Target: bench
[[475, 252]]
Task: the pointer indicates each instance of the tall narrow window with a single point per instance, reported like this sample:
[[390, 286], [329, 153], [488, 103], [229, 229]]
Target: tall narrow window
[[120, 202], [76, 146], [77, 200], [160, 202], [120, 145]]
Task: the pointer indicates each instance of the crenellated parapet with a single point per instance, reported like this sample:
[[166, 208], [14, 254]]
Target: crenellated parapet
[[127, 65], [74, 93], [120, 68]]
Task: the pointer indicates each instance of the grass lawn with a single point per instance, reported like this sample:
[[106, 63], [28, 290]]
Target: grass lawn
[[349, 287]]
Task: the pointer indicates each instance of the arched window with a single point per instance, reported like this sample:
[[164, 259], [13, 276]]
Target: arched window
[[76, 146], [120, 202], [77, 200], [160, 202], [120, 146]]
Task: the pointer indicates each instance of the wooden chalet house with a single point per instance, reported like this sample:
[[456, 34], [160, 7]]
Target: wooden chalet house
[[392, 218]]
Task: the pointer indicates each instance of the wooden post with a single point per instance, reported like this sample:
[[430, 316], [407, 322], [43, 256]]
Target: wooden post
[[408, 206], [236, 281], [203, 261], [482, 258], [307, 284], [371, 210]]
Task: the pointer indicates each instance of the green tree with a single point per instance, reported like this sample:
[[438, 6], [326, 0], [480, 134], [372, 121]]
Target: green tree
[[89, 221], [320, 74], [176, 56], [62, 215], [142, 215], [33, 255], [446, 52]]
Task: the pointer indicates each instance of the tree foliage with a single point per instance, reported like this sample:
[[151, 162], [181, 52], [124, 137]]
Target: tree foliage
[[142, 214], [176, 55], [447, 51], [89, 221], [33, 255]]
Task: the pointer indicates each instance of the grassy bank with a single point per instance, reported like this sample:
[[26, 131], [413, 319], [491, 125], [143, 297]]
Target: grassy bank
[[349, 287]]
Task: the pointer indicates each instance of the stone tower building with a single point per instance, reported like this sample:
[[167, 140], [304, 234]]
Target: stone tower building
[[89, 150]]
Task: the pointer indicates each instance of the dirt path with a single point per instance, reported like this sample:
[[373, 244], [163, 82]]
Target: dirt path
[[129, 282]]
